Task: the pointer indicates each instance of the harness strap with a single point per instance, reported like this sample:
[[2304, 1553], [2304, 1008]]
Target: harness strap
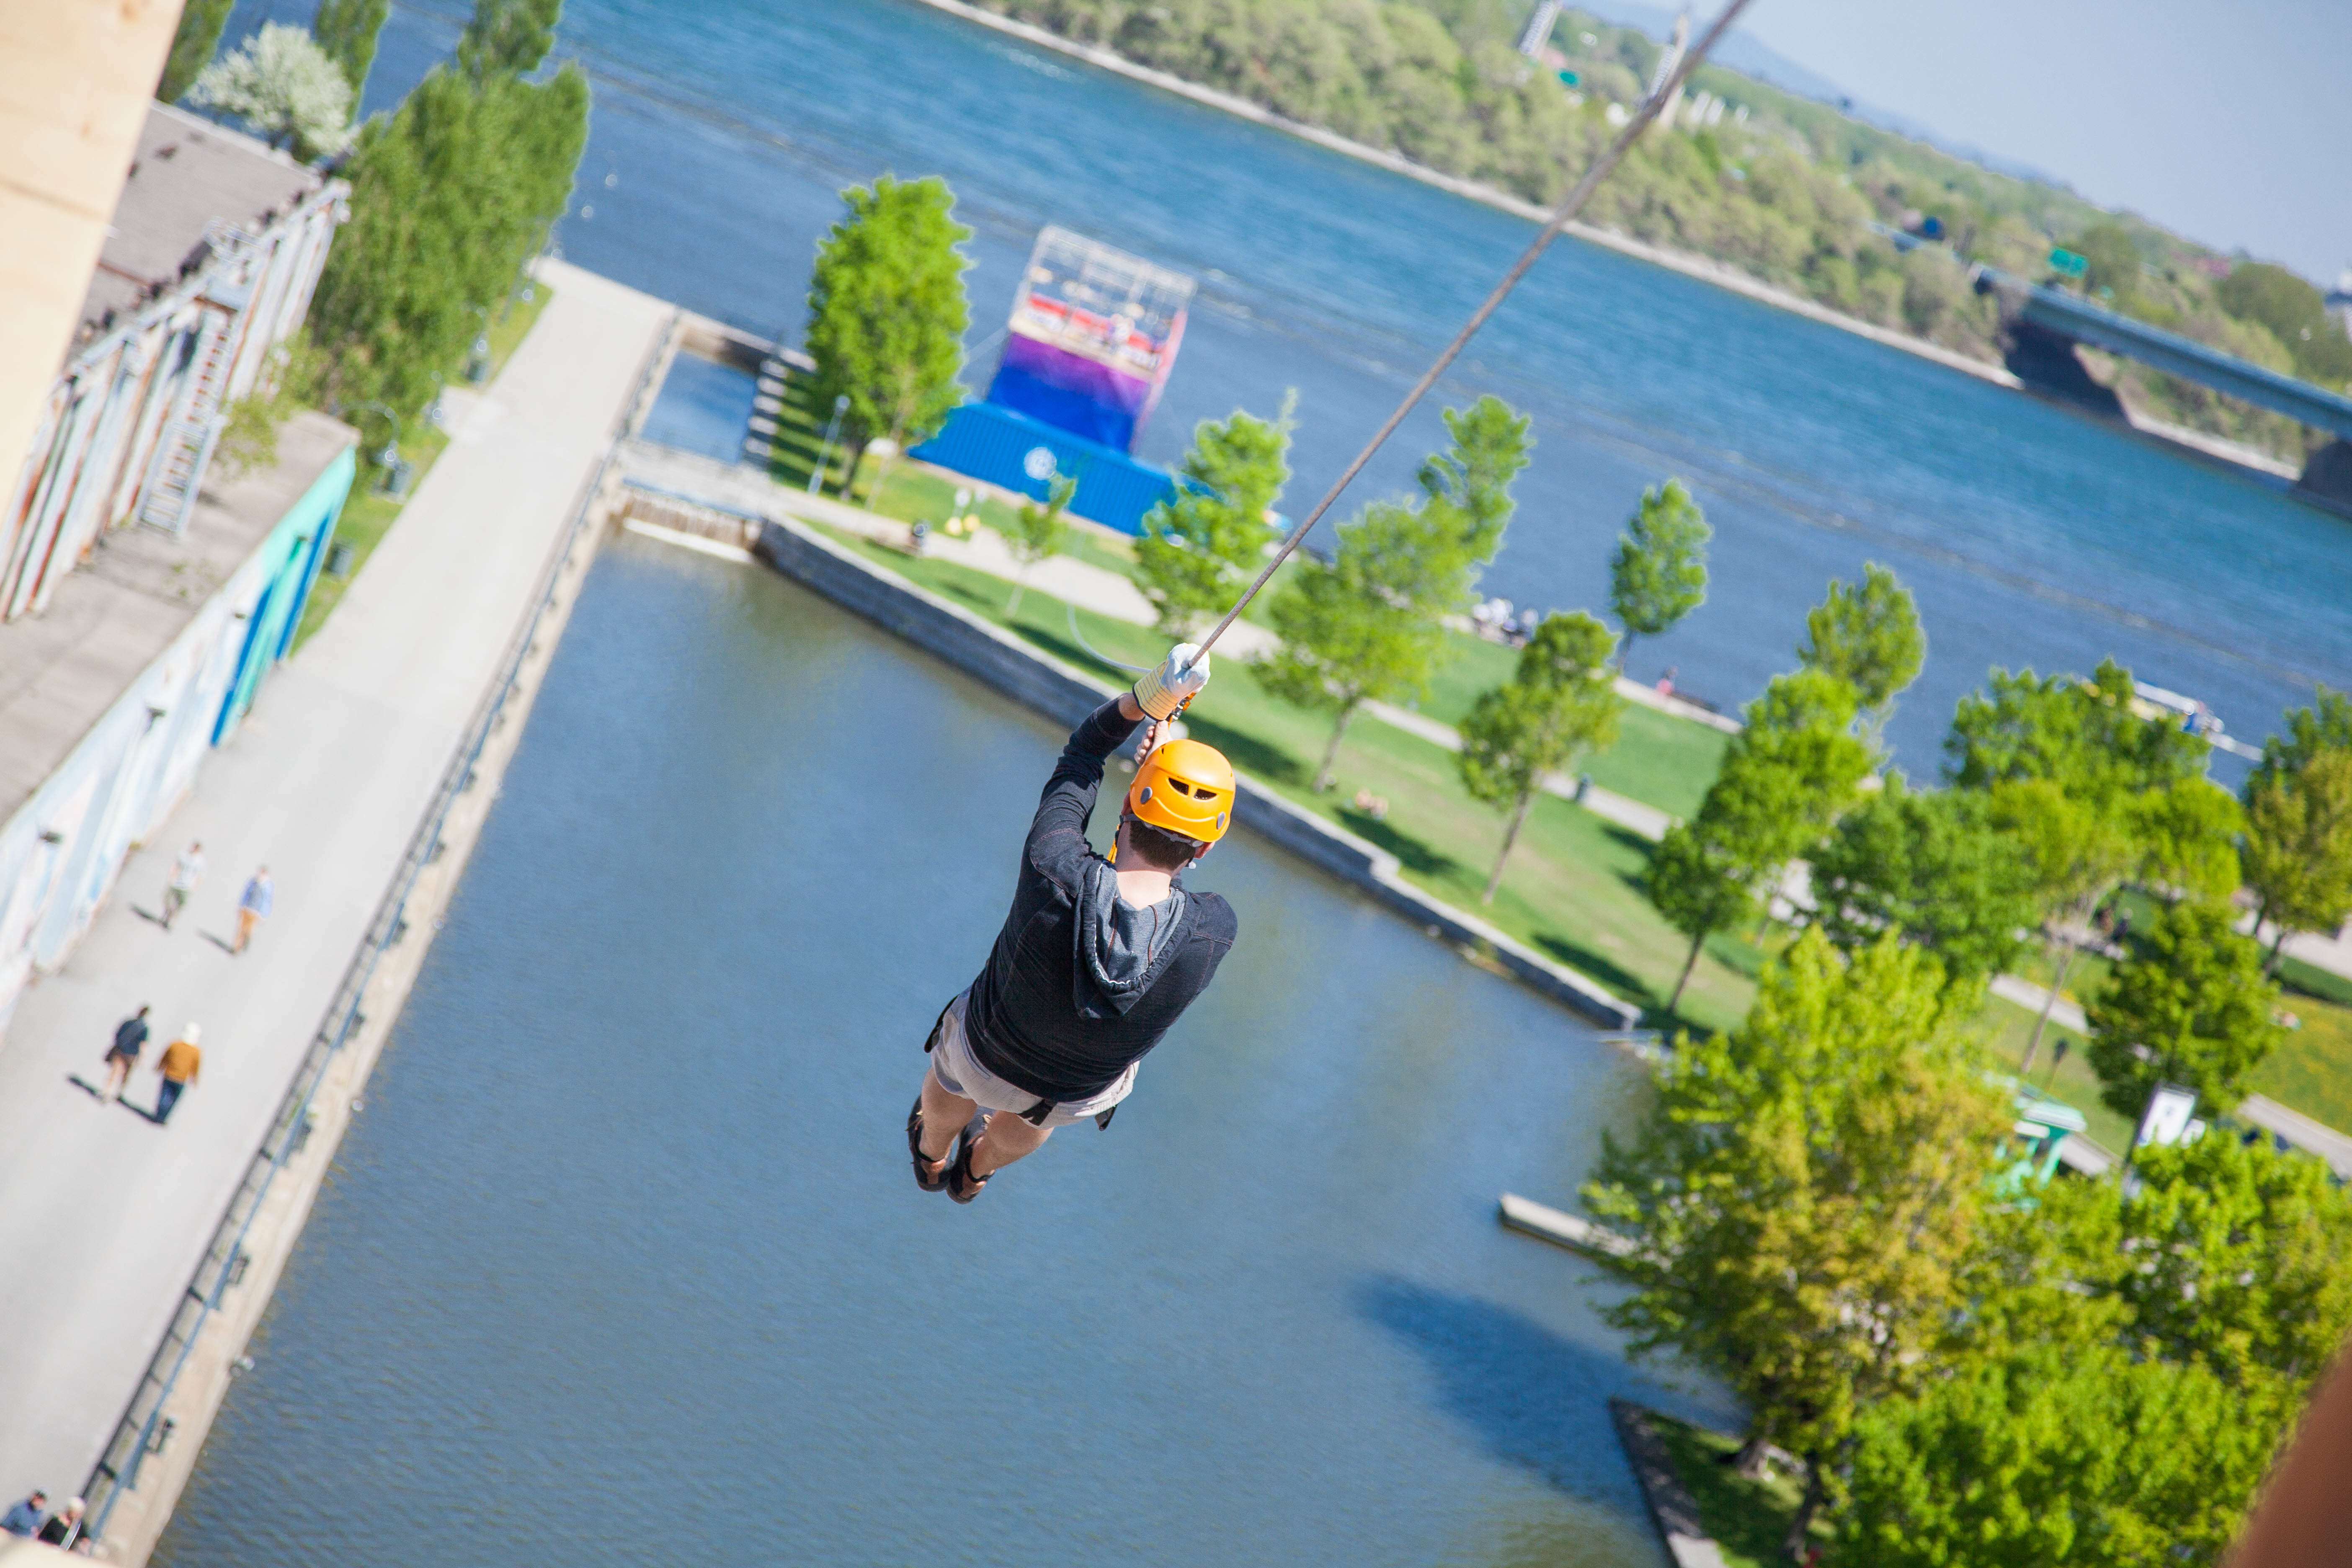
[[936, 1026]]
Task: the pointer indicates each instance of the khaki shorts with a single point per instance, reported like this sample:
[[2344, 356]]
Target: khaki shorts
[[960, 1074]]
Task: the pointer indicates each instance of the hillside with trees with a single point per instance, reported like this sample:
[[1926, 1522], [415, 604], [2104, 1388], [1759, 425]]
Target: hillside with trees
[[1788, 190]]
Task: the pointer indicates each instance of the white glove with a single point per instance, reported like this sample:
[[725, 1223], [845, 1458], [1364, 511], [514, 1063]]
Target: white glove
[[1176, 681]]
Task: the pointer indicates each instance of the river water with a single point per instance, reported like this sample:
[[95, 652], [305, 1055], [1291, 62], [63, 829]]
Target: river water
[[2031, 535], [622, 1261]]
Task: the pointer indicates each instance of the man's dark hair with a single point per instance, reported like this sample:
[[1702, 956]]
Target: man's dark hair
[[1159, 849]]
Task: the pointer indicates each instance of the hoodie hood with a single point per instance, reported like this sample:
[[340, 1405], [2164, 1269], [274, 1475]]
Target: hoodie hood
[[1121, 949]]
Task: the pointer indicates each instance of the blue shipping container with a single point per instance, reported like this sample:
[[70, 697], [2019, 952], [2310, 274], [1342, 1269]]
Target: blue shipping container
[[1008, 448]]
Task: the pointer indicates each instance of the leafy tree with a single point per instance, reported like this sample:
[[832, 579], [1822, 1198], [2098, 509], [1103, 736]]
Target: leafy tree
[[283, 84], [1931, 867], [2078, 852], [1370, 624], [1039, 533], [2081, 733], [2191, 1007], [1560, 704], [1659, 573], [1786, 778], [1201, 546], [2295, 314], [2114, 257], [2325, 725], [510, 36], [2298, 858], [2187, 837], [347, 31], [2237, 1257], [451, 195], [193, 42], [1867, 635], [887, 313], [1803, 1194], [2059, 1456]]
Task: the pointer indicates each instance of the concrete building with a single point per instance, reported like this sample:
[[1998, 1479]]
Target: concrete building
[[146, 591], [216, 244]]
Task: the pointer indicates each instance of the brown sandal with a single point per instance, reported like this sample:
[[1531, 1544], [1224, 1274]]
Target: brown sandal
[[929, 1174], [961, 1185]]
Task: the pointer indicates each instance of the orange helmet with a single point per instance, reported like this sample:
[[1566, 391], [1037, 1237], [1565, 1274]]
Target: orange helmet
[[1187, 788]]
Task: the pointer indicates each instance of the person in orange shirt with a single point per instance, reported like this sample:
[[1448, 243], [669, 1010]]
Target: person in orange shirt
[[182, 1061]]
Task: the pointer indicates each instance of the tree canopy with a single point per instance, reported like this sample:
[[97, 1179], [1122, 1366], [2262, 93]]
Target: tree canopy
[[347, 30], [194, 42], [1932, 868], [451, 195], [1867, 635], [1201, 547], [2190, 1005], [1804, 1194], [284, 86], [2298, 855], [1560, 704], [1659, 573], [1369, 623], [887, 313], [510, 36], [2295, 314]]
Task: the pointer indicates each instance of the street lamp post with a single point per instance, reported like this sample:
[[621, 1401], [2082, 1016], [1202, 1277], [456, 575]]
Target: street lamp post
[[477, 358], [825, 451], [397, 470]]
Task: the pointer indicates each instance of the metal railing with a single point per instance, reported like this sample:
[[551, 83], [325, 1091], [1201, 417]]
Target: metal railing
[[144, 1430]]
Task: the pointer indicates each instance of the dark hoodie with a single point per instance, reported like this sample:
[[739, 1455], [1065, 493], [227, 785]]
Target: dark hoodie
[[1080, 986]]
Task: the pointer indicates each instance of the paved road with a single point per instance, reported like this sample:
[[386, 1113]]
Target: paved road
[[103, 1214]]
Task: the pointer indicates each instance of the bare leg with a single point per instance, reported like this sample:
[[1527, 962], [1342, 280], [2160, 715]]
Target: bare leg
[[1006, 1139], [944, 1116]]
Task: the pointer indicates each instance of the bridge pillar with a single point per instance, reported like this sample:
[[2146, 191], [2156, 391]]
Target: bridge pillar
[[2328, 477], [2046, 362]]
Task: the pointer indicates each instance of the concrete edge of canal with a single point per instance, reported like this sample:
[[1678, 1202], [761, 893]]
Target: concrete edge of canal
[[1045, 685], [172, 1411]]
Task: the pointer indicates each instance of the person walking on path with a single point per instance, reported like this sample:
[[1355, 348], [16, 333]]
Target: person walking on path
[[182, 1062], [129, 1040], [27, 1516], [186, 872], [1098, 956], [252, 906]]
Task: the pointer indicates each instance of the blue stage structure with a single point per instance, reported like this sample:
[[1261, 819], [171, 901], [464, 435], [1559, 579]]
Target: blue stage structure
[[1002, 447], [1093, 335]]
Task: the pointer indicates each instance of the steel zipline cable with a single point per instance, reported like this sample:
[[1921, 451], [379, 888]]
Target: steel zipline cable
[[1569, 206]]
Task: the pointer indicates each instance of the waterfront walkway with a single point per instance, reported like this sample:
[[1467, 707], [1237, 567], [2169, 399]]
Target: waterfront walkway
[[103, 1214]]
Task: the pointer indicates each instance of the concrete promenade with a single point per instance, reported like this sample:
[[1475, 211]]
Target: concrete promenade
[[103, 1214]]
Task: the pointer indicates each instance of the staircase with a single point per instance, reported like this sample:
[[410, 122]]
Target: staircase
[[186, 447]]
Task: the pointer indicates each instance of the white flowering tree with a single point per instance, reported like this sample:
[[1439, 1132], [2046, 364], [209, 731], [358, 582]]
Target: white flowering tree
[[285, 86]]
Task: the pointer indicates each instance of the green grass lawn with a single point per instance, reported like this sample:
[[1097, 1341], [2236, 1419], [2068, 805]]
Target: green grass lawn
[[367, 517], [1573, 889], [1747, 1520]]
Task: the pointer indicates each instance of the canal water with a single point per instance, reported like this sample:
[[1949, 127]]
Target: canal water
[[623, 1262], [724, 130]]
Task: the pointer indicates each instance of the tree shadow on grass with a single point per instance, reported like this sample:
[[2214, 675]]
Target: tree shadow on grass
[[1410, 852], [1600, 966], [1534, 1400], [1247, 753]]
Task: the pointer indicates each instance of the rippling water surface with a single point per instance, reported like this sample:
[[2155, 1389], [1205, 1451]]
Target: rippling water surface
[[723, 129], [622, 1261]]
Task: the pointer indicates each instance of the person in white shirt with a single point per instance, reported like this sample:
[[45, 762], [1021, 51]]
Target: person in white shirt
[[186, 872]]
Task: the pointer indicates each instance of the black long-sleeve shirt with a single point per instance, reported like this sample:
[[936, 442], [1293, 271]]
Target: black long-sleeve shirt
[[1024, 1017]]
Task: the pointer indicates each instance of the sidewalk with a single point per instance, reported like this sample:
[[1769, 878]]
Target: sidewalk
[[103, 1214], [1093, 588]]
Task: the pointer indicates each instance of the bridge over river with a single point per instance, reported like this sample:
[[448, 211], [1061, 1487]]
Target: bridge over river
[[2039, 314]]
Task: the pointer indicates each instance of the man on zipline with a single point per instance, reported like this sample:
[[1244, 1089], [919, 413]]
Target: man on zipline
[[1098, 956]]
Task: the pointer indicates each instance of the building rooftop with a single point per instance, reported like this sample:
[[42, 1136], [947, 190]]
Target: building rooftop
[[187, 174], [62, 670]]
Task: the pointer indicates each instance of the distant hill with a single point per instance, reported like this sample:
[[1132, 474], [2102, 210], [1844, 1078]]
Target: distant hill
[[1749, 56]]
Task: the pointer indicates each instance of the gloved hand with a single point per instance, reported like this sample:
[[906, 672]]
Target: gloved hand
[[1174, 681]]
